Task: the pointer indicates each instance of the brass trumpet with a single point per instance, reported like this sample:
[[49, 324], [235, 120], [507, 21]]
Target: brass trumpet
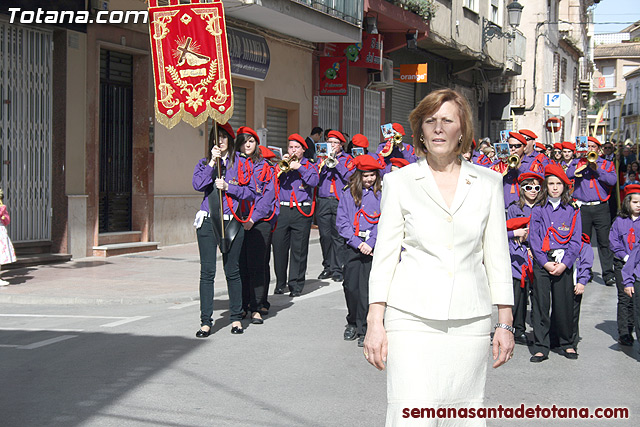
[[592, 157], [285, 164], [513, 161], [331, 161]]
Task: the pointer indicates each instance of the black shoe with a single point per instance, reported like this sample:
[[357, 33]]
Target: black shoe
[[237, 330], [295, 294], [625, 340], [521, 339], [611, 281], [257, 320], [350, 333], [203, 334], [361, 341], [324, 275], [570, 356], [337, 277], [279, 291], [538, 359]]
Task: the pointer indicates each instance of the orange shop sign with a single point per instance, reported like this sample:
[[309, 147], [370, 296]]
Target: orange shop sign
[[413, 73]]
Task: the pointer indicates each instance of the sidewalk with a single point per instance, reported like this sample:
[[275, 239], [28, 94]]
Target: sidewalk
[[168, 275]]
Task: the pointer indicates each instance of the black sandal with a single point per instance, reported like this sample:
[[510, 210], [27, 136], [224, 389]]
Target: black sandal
[[203, 334], [236, 330], [256, 320]]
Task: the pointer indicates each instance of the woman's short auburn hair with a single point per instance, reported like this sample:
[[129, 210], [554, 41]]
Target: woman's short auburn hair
[[429, 105]]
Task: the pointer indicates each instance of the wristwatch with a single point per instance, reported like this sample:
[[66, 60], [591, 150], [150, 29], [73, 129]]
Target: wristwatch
[[505, 326]]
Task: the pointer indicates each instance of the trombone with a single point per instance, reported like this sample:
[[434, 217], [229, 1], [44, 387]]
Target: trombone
[[285, 164]]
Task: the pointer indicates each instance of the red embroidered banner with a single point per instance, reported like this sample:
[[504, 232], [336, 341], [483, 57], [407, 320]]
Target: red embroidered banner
[[333, 75], [191, 63]]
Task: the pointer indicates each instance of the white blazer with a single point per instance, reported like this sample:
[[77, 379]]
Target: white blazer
[[455, 261]]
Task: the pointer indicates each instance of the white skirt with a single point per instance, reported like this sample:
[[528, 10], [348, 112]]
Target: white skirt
[[435, 364], [7, 253]]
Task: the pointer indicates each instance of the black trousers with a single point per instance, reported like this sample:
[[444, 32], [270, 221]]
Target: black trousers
[[577, 301], [636, 307], [208, 246], [555, 294], [331, 242], [520, 297], [356, 288], [625, 317], [598, 216], [291, 237], [254, 265]]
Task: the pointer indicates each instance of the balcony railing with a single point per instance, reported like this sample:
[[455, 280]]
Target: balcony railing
[[346, 10]]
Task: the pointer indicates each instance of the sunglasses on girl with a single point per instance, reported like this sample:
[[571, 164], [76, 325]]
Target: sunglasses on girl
[[530, 187]]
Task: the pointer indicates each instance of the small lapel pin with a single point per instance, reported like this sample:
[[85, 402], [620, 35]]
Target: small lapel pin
[[468, 182]]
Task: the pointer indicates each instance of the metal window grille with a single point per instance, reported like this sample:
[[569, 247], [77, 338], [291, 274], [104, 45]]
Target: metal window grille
[[556, 72], [563, 70], [351, 111], [372, 110], [25, 130], [329, 112], [347, 10], [239, 117]]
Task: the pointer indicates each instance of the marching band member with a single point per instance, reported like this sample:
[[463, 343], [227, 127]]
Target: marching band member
[[237, 187], [260, 219], [534, 149], [512, 168], [478, 157], [631, 281], [518, 217], [556, 154], [388, 150], [623, 237], [593, 183], [357, 222], [291, 236], [333, 176], [361, 141], [582, 276], [554, 233], [568, 154]]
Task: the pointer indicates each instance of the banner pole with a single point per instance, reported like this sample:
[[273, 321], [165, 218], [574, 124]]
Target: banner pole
[[216, 142]]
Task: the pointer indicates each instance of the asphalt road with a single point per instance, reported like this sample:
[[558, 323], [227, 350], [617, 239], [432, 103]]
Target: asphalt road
[[141, 365]]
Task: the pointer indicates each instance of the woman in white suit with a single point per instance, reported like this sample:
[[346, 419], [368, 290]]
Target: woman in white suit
[[441, 262]]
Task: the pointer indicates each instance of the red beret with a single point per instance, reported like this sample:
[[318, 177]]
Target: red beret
[[517, 136], [266, 153], [557, 146], [473, 143], [366, 163], [541, 146], [594, 139], [359, 140], [398, 162], [246, 129], [558, 172], [398, 128], [336, 134], [296, 137], [586, 238], [566, 145], [530, 175], [515, 223], [528, 133], [229, 129], [631, 189]]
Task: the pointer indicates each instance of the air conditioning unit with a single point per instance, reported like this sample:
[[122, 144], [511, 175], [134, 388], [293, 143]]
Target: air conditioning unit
[[382, 79]]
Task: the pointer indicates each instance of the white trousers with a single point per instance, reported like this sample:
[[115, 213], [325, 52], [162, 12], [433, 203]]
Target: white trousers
[[435, 364]]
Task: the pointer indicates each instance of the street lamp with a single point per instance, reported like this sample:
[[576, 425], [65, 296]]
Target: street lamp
[[491, 30]]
